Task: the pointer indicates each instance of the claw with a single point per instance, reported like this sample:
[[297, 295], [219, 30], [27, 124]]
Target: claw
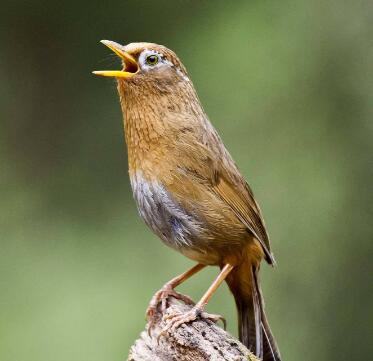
[[162, 297], [178, 319], [150, 313], [214, 318]]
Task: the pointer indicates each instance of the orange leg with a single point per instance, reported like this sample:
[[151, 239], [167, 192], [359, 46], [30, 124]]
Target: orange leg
[[168, 291], [198, 309], [178, 280], [214, 286]]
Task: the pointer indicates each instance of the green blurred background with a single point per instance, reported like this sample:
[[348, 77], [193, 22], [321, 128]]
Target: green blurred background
[[288, 84]]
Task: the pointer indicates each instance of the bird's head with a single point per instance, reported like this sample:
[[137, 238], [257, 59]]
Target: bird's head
[[145, 64], [153, 83]]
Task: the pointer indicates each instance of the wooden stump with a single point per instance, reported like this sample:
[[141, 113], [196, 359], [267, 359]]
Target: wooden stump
[[195, 341]]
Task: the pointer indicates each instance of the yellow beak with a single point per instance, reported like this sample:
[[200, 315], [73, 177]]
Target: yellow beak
[[130, 64]]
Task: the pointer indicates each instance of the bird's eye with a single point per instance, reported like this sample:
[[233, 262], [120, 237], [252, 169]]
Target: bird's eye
[[152, 60]]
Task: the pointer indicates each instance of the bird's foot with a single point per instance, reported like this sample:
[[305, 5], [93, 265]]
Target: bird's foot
[[162, 297], [176, 319]]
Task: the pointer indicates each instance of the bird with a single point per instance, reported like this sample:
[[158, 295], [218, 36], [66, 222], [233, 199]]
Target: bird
[[189, 190]]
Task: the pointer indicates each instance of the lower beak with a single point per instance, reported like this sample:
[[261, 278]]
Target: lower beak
[[130, 64]]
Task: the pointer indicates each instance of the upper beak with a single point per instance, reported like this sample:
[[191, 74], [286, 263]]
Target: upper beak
[[130, 64]]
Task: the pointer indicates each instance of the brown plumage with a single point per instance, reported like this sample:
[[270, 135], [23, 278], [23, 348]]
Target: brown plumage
[[188, 189]]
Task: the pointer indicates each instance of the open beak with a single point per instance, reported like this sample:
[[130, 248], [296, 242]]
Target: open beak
[[130, 67]]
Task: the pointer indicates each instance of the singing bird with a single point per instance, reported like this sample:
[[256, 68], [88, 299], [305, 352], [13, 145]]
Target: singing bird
[[188, 189]]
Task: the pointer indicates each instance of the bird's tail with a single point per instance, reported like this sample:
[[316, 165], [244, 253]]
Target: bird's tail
[[253, 327]]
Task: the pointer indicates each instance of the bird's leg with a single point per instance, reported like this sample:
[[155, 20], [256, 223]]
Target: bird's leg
[[168, 291], [177, 319]]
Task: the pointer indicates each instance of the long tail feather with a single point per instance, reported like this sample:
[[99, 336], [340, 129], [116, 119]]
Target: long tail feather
[[253, 327], [270, 348]]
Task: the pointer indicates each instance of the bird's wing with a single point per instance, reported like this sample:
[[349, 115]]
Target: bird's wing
[[236, 193], [208, 161]]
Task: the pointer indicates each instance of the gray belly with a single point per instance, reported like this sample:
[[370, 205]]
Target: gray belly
[[165, 217]]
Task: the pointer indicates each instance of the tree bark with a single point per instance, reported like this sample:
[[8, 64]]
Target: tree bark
[[195, 341]]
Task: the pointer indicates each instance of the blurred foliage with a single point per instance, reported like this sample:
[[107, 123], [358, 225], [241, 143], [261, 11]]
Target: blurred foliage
[[288, 84]]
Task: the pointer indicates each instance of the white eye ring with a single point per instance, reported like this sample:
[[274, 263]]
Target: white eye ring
[[146, 57]]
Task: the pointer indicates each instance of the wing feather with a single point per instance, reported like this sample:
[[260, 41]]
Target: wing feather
[[238, 195]]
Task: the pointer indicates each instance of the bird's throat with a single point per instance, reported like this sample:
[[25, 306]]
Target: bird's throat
[[155, 121]]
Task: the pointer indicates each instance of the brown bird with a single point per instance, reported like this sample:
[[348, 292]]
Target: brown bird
[[188, 189]]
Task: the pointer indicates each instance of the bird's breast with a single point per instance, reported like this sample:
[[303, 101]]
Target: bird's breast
[[163, 215]]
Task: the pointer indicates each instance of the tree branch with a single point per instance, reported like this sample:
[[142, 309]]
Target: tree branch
[[196, 341]]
